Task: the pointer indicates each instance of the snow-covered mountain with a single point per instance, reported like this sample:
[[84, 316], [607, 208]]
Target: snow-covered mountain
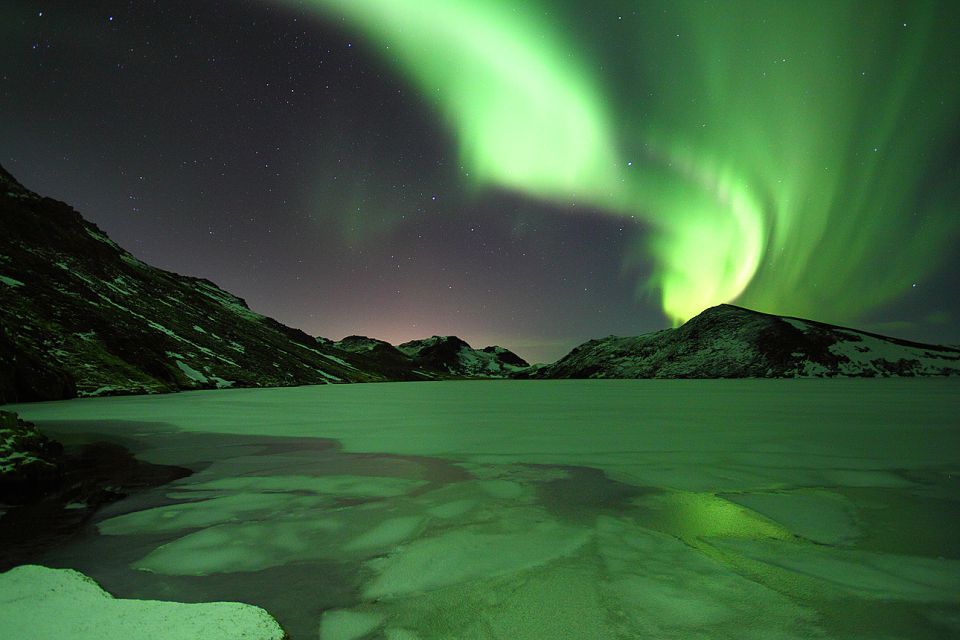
[[732, 342], [451, 356]]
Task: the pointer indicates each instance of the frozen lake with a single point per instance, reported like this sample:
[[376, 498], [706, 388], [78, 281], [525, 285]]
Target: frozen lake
[[767, 509]]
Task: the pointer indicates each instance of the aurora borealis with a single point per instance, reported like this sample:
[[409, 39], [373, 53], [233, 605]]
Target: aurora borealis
[[747, 170], [530, 173]]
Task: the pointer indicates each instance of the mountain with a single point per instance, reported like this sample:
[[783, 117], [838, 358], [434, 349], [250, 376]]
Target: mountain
[[384, 357], [731, 342], [436, 358], [80, 316], [450, 356]]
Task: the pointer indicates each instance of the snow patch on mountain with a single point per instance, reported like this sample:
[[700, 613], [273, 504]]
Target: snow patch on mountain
[[191, 373]]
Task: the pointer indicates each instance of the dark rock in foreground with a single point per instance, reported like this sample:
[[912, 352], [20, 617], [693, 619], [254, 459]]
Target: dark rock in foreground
[[50, 492], [731, 342], [30, 462]]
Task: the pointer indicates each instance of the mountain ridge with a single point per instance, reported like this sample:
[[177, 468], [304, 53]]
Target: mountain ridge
[[727, 341], [81, 316], [436, 357]]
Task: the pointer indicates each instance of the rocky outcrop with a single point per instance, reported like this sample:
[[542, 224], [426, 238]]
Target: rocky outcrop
[[48, 491], [30, 462], [731, 342]]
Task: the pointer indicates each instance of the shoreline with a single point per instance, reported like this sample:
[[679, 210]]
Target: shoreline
[[90, 476]]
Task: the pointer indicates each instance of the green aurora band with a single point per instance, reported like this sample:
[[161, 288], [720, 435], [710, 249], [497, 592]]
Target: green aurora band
[[787, 155]]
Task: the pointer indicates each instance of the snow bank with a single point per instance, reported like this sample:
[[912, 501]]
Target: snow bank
[[38, 602]]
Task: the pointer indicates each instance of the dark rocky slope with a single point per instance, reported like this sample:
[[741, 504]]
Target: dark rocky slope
[[731, 342], [79, 315]]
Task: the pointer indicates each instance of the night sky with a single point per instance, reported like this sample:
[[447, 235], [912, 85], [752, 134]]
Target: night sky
[[527, 174]]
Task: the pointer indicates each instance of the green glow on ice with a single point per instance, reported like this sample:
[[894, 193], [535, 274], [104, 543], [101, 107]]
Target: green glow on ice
[[789, 155]]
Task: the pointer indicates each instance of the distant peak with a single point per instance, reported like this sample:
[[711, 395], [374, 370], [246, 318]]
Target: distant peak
[[358, 339], [724, 308], [435, 340], [719, 311]]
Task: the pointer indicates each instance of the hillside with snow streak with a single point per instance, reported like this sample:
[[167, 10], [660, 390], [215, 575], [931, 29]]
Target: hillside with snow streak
[[731, 342]]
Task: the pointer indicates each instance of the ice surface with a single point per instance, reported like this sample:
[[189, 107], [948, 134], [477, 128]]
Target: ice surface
[[453, 509], [387, 534], [521, 540], [37, 602], [692, 435], [502, 488], [338, 485], [250, 523], [243, 546], [882, 576], [821, 516], [763, 509], [689, 516], [348, 625], [205, 513], [665, 591]]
